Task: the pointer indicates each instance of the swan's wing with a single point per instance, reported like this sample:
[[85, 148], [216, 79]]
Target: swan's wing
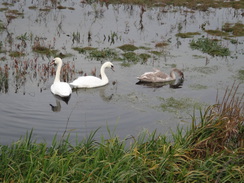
[[86, 82], [61, 89], [147, 77], [155, 77], [156, 70], [161, 75]]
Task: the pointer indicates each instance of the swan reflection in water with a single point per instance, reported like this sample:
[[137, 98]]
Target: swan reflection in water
[[104, 97], [57, 107], [172, 84]]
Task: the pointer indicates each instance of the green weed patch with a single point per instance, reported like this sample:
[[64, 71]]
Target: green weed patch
[[209, 46]]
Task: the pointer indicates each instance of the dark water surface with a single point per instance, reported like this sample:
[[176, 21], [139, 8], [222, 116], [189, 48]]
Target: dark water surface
[[122, 105]]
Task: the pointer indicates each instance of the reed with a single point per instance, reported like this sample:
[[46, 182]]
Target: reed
[[210, 151]]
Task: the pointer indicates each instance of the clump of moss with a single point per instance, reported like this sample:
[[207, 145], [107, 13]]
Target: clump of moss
[[236, 29], [83, 49], [216, 33], [240, 75], [1, 48], [97, 54], [3, 9], [209, 46], [61, 7], [131, 57], [7, 4], [187, 34], [128, 47], [15, 12], [157, 53], [45, 9], [16, 54], [102, 54], [44, 50], [161, 44], [62, 55], [144, 57], [32, 7]]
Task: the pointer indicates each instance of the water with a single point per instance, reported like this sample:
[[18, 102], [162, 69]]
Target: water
[[122, 106]]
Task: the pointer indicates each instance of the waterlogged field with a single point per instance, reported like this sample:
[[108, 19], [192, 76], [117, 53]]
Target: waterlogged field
[[206, 45]]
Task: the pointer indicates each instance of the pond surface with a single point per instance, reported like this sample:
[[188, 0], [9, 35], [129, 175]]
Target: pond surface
[[122, 106]]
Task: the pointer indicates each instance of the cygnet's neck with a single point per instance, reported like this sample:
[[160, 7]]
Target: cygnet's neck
[[172, 75]]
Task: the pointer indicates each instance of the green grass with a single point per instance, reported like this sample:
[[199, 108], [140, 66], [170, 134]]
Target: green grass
[[211, 150]]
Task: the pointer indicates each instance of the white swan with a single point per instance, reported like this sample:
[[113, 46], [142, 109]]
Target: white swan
[[158, 76], [59, 88], [92, 81]]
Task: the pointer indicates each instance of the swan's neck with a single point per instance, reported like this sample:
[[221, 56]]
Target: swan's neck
[[103, 75], [57, 77], [172, 75]]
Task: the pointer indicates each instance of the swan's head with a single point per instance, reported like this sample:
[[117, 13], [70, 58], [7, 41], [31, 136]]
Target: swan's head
[[109, 65], [56, 61]]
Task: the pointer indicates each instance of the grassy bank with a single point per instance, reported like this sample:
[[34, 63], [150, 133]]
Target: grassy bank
[[211, 150]]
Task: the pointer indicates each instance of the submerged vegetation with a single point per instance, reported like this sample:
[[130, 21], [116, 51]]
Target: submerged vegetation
[[174, 105], [211, 150]]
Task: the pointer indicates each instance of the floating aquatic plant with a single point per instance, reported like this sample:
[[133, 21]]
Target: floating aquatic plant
[[23, 37], [236, 29], [16, 54], [2, 27], [84, 49], [187, 34], [161, 44], [4, 79], [217, 32], [209, 46], [240, 75], [128, 47], [105, 53], [44, 50]]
